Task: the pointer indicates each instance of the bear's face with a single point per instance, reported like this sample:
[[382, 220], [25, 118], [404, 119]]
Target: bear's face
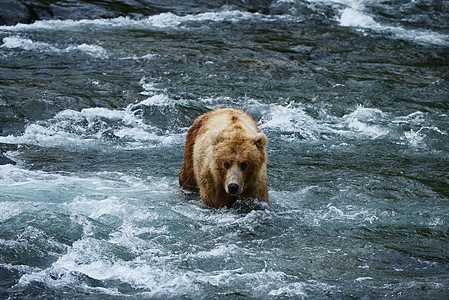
[[238, 160]]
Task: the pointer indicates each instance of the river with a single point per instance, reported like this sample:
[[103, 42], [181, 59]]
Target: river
[[353, 96]]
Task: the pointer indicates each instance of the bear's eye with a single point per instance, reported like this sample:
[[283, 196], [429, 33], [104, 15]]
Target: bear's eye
[[227, 165], [243, 166]]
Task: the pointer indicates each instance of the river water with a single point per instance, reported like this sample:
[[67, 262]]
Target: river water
[[353, 96]]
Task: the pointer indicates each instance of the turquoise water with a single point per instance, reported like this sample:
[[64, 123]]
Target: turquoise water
[[353, 96]]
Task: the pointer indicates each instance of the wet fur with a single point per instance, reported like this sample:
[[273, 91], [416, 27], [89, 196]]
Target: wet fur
[[224, 135]]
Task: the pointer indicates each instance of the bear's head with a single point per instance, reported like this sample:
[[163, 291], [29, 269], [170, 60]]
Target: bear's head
[[238, 159]]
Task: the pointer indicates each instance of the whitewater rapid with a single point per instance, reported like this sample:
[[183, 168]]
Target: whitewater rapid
[[352, 96]]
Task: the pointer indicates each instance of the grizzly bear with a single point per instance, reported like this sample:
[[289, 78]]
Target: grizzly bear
[[225, 158]]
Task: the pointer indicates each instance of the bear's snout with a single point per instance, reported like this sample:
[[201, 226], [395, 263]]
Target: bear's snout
[[234, 181], [233, 188]]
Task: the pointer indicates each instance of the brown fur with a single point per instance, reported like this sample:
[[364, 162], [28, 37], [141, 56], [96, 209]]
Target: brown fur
[[219, 136], [187, 178]]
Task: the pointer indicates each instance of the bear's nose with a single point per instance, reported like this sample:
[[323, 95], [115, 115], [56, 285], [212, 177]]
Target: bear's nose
[[233, 188]]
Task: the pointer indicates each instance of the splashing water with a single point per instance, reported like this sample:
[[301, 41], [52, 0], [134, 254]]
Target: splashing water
[[352, 96]]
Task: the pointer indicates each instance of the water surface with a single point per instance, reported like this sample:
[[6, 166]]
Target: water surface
[[353, 96]]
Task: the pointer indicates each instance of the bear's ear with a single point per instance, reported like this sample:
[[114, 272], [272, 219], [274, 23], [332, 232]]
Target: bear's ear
[[214, 135], [260, 140]]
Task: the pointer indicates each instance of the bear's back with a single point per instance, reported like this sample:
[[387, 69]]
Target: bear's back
[[227, 118]]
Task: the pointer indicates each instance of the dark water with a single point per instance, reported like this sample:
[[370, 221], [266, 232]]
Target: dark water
[[353, 96]]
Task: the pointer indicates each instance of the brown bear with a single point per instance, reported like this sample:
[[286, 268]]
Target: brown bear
[[225, 158]]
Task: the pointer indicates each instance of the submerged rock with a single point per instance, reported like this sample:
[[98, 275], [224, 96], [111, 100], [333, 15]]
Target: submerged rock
[[4, 148], [13, 12], [5, 161], [26, 11]]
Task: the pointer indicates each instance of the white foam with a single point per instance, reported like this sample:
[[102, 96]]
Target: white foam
[[299, 289], [434, 221], [285, 1], [291, 119], [336, 214], [364, 120], [93, 194], [415, 138], [153, 264], [220, 250], [163, 20], [292, 122], [58, 278], [156, 100], [171, 20], [148, 56], [422, 128], [14, 176], [93, 258], [291, 290], [417, 117], [360, 279], [93, 50], [14, 42], [355, 16], [354, 13], [105, 194], [9, 210], [150, 89], [87, 200], [96, 126], [260, 282]]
